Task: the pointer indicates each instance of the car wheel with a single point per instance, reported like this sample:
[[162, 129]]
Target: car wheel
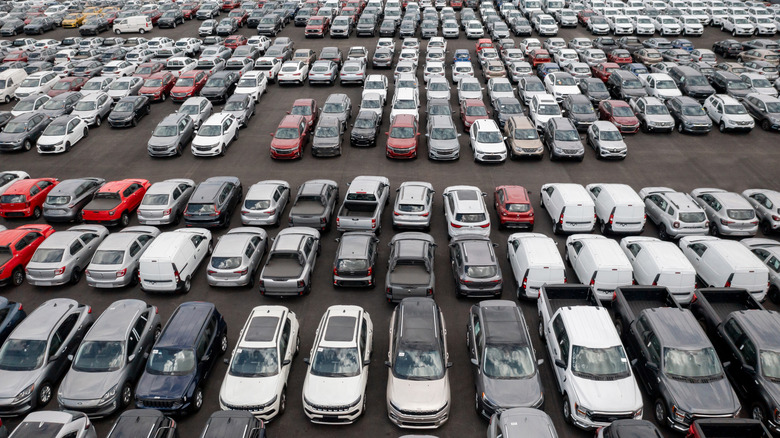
[[127, 395], [197, 400], [619, 326], [37, 212], [67, 146], [659, 410], [714, 229], [17, 277], [7, 99], [722, 127], [566, 409], [680, 128], [134, 122], [662, 232], [765, 125], [187, 285], [766, 228], [734, 33], [124, 219], [75, 276], [174, 25], [141, 31], [117, 31], [27, 145], [44, 394], [178, 150], [283, 401], [223, 344], [235, 137], [162, 97], [98, 122], [757, 412]]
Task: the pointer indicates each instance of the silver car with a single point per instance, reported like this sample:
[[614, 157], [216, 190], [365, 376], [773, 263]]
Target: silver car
[[353, 71], [164, 202], [442, 138], [338, 105], [768, 251], [236, 257], [675, 214], [327, 138], [241, 106], [653, 115], [65, 201], [413, 205], [93, 108], [54, 424], [110, 359], [64, 255], [171, 136], [124, 87], [115, 262], [198, 108], [264, 202], [35, 355], [728, 212], [767, 205], [605, 138], [373, 102]]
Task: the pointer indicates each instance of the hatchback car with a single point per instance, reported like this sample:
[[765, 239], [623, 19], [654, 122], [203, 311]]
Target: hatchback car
[[93, 108], [215, 135], [62, 134], [213, 201], [241, 106], [124, 87], [25, 197], [21, 133], [606, 139], [729, 213], [114, 263], [65, 201], [487, 142], [64, 255], [413, 205], [513, 207], [354, 264], [475, 266], [17, 247], [236, 257], [128, 111], [171, 136], [164, 202]]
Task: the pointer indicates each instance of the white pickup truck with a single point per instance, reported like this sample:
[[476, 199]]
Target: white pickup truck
[[363, 204]]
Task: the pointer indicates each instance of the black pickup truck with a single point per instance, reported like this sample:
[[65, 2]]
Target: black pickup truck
[[745, 336], [727, 428], [675, 361]]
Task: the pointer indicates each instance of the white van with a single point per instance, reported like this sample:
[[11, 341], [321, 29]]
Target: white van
[[172, 258], [9, 82], [726, 263], [569, 206], [535, 260], [659, 263], [138, 23], [600, 263], [619, 209]]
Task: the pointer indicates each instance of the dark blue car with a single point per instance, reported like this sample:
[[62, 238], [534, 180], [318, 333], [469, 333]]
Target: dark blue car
[[635, 68], [11, 314], [182, 358], [461, 55], [682, 43], [547, 68]]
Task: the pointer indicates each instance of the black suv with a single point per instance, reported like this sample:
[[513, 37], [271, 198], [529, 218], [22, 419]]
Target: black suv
[[726, 82], [625, 85], [233, 424], [365, 129], [143, 422], [213, 201], [182, 359]]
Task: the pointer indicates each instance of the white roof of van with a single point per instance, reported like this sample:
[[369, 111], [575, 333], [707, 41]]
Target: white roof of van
[[607, 252], [166, 245], [622, 193], [667, 256], [574, 193], [542, 251], [736, 254]]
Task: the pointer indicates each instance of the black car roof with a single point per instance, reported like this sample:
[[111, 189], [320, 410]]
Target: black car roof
[[503, 324], [418, 321], [676, 328], [183, 328], [234, 424]]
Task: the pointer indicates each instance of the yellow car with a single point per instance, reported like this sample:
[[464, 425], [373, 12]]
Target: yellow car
[[73, 20], [92, 10]]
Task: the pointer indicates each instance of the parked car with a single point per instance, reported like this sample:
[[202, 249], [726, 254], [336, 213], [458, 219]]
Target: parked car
[[63, 256], [23, 131], [65, 201], [20, 243], [128, 111], [215, 135], [140, 421], [728, 213], [164, 202], [12, 314], [290, 264], [115, 201], [237, 257], [25, 197], [315, 204], [516, 422], [64, 424]]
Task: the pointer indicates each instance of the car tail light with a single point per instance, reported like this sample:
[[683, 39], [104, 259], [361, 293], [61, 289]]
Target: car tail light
[[775, 218], [211, 272], [241, 271], [338, 222], [176, 273], [614, 296], [429, 291], [525, 282], [324, 220], [726, 222], [425, 214], [59, 271], [676, 224], [89, 309], [728, 282], [121, 273], [300, 283], [611, 218], [168, 212], [560, 219], [336, 271], [373, 223], [454, 225], [271, 211], [395, 213], [485, 225], [655, 281]]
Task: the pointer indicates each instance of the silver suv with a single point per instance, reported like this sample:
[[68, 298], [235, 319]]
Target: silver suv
[[729, 213], [442, 138], [475, 266], [765, 202], [413, 205], [675, 214]]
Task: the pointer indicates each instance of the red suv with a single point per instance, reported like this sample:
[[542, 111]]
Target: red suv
[[472, 110], [233, 41], [289, 139], [620, 114], [70, 83], [147, 69], [514, 207], [604, 70], [16, 249], [158, 86], [229, 5], [483, 43], [188, 84], [402, 137], [308, 109], [25, 198], [189, 10], [539, 57], [317, 27], [115, 201]]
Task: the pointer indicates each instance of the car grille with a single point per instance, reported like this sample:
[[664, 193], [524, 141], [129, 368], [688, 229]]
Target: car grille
[[163, 148], [491, 157], [601, 417], [254, 408], [46, 147], [322, 408], [570, 151], [529, 150], [158, 404], [399, 151]]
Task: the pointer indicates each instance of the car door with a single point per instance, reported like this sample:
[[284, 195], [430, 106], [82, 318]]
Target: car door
[[640, 269], [61, 343], [696, 252], [573, 251], [365, 345], [200, 242], [104, 105], [656, 206], [743, 357], [558, 348], [476, 341], [648, 359]]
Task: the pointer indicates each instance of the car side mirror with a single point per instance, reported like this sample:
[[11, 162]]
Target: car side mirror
[[474, 362], [70, 358], [306, 360], [367, 362], [286, 362], [388, 363], [559, 363], [540, 362], [205, 358], [449, 365], [652, 365]]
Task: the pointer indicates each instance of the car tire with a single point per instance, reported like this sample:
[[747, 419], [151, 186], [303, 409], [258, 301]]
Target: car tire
[[134, 123], [126, 396], [603, 228], [67, 146], [197, 400], [722, 127], [44, 395], [659, 411], [283, 401], [75, 276], [17, 276], [566, 409], [141, 31], [174, 24], [757, 412], [7, 99], [124, 220], [27, 145], [662, 233], [223, 344], [162, 97], [680, 128], [714, 231], [98, 122], [187, 285], [556, 229], [766, 228], [765, 125], [36, 213]]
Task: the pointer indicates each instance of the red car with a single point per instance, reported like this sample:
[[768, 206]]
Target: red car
[[16, 55], [147, 69], [188, 84], [317, 27], [456, 4], [472, 110], [111, 17], [234, 41], [620, 57], [239, 14], [584, 15], [514, 208], [539, 57], [620, 114], [289, 139], [308, 109], [153, 14], [604, 70], [483, 43], [402, 137], [189, 10], [25, 198], [17, 247], [229, 5], [158, 86], [115, 202], [70, 83]]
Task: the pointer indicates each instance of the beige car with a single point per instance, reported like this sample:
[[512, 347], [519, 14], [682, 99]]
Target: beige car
[[522, 138], [648, 56], [494, 69], [769, 56]]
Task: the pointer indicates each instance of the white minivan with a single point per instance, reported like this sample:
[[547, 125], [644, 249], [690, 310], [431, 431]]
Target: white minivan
[[600, 263], [726, 263], [172, 258], [570, 207], [619, 209], [9, 82], [138, 23], [660, 263], [535, 260]]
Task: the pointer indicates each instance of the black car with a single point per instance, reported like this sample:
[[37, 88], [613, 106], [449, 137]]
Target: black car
[[233, 424], [269, 24], [332, 54], [94, 26], [5, 117], [605, 43], [579, 109], [504, 108], [22, 132], [213, 201], [170, 18], [182, 358], [631, 429], [61, 104], [354, 264], [728, 48], [630, 43], [387, 28], [128, 111], [12, 28], [594, 89], [365, 129], [11, 314], [39, 25], [143, 423], [764, 108], [219, 86], [301, 18], [726, 82]]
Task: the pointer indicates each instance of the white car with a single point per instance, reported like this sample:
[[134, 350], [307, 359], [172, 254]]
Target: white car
[[433, 69], [260, 364], [199, 109], [293, 72], [543, 107], [270, 66], [561, 84], [405, 101], [215, 135], [253, 83], [93, 108], [474, 30], [691, 25], [377, 84], [660, 85], [139, 56], [158, 43], [357, 53], [435, 54], [460, 70], [56, 424], [404, 67], [334, 390], [180, 64], [545, 24], [469, 88], [372, 102], [529, 44], [565, 57], [644, 25], [621, 25], [409, 55], [728, 113], [260, 41], [487, 142], [450, 29], [667, 25], [593, 57], [410, 43], [118, 69], [191, 46], [386, 43], [29, 104], [500, 87], [62, 134], [465, 211], [764, 25], [63, 68], [36, 83], [438, 88], [96, 85], [407, 81], [738, 25]]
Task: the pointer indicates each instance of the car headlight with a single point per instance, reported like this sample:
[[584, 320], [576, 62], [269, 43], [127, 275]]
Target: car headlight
[[678, 414], [582, 411], [638, 414], [109, 395], [25, 394], [488, 402]]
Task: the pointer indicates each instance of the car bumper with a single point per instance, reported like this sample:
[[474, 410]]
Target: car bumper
[[93, 408], [120, 123], [26, 212], [577, 227], [259, 221], [163, 220], [286, 154], [56, 215], [443, 155], [412, 221], [738, 232], [487, 410], [326, 152], [209, 222], [205, 151], [401, 154], [323, 416], [362, 142], [168, 407], [114, 283], [6, 147], [242, 280], [161, 286], [58, 280], [497, 157], [697, 129], [613, 153], [422, 420], [9, 407], [263, 412], [492, 291]]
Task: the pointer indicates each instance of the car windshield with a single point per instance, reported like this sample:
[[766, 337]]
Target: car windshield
[[508, 361], [511, 108], [327, 131], [254, 362], [185, 82], [93, 85], [622, 111], [691, 363], [210, 131], [371, 104], [735, 109], [302, 110], [189, 109], [53, 104], [770, 364], [582, 108], [25, 105], [526, 134], [610, 135], [693, 110], [124, 107], [418, 364], [171, 361], [119, 85], [215, 82], [691, 217], [364, 123], [99, 356], [153, 83], [632, 83], [773, 107], [489, 137], [55, 129], [697, 81], [402, 132], [22, 355], [335, 362], [405, 104], [438, 86], [30, 82], [471, 86], [46, 255], [165, 131], [108, 257], [665, 85], [549, 110], [567, 135], [235, 105], [762, 83], [333, 108], [745, 214], [247, 82], [599, 363], [656, 110], [565, 81], [443, 134], [476, 110]]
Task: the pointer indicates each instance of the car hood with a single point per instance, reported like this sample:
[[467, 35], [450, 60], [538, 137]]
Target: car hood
[[403, 143], [363, 132], [418, 395], [237, 114], [526, 144], [163, 141], [703, 398], [332, 391], [6, 137], [509, 393], [568, 145], [697, 119], [88, 386], [212, 90], [325, 142], [168, 387], [53, 114], [120, 115], [182, 89], [248, 391], [150, 90], [279, 143], [621, 395], [84, 114], [599, 95], [625, 120], [583, 117], [13, 382], [445, 145]]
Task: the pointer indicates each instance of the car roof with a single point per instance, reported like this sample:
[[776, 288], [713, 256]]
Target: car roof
[[515, 194], [354, 244], [763, 325], [503, 323], [115, 323], [39, 324], [419, 318], [229, 423], [185, 324], [676, 327]]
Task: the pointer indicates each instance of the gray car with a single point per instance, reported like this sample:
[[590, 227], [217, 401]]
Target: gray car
[[110, 359], [766, 203], [605, 138], [502, 357], [768, 251], [521, 422], [241, 106], [504, 108], [35, 355], [338, 105], [327, 138], [383, 58], [164, 202], [413, 205], [653, 115], [323, 72], [236, 257], [220, 86], [562, 139], [410, 266], [594, 89], [675, 214], [689, 115], [265, 202], [729, 213], [172, 135], [199, 109], [475, 266], [61, 104], [64, 255], [354, 264], [115, 262], [579, 109], [442, 138], [22, 132], [65, 201], [93, 108], [123, 87]]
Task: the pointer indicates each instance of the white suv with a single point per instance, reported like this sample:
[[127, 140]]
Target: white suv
[[543, 108], [253, 83], [728, 113], [36, 83], [215, 135], [487, 141], [334, 391], [465, 211]]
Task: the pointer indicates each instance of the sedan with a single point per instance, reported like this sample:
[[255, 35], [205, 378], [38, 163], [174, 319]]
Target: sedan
[[124, 87], [64, 85], [62, 257], [241, 106], [293, 72], [88, 69], [236, 257], [62, 134], [265, 202], [323, 72], [128, 111], [353, 71], [66, 199], [472, 110]]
